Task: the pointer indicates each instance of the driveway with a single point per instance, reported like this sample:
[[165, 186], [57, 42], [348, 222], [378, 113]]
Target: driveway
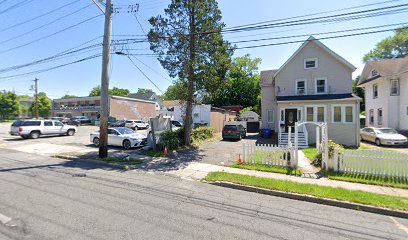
[[51, 145], [400, 149]]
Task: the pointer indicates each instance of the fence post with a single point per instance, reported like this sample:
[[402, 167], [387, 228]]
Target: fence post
[[318, 139], [336, 160], [294, 157], [243, 152], [289, 137]]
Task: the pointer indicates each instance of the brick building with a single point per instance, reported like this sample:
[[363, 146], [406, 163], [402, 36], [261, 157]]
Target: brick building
[[119, 107]]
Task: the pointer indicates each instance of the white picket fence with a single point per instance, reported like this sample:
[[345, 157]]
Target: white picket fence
[[370, 162], [268, 154]]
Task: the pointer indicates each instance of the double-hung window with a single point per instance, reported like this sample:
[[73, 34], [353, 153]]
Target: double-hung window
[[300, 87], [371, 116], [375, 91], [321, 85], [315, 114], [270, 116], [394, 87], [310, 63], [379, 117], [343, 114]]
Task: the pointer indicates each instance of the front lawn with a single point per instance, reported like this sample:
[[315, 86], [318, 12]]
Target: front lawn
[[268, 168], [310, 153], [361, 197], [369, 179]]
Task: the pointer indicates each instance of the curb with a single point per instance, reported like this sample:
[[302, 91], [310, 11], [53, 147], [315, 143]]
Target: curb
[[307, 198]]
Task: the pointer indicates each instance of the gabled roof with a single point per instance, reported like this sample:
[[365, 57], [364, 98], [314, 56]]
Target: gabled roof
[[385, 68], [321, 45]]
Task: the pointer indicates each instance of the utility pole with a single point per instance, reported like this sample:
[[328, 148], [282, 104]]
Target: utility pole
[[103, 128], [36, 97]]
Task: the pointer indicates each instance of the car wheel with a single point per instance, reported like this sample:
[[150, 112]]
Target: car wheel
[[378, 142], [34, 135], [96, 142], [71, 132], [126, 144]]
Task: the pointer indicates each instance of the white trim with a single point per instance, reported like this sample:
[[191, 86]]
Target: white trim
[[374, 86], [343, 113], [325, 85], [372, 72], [317, 42], [398, 87], [296, 86], [310, 59], [315, 112], [378, 116]]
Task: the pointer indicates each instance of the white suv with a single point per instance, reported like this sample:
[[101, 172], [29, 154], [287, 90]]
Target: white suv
[[136, 124], [36, 128]]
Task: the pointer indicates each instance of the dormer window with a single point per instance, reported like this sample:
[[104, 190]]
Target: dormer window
[[374, 73], [310, 63]]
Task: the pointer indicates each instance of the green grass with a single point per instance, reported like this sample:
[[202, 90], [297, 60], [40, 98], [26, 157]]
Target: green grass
[[7, 121], [341, 194], [117, 160], [268, 168], [369, 179], [310, 153]]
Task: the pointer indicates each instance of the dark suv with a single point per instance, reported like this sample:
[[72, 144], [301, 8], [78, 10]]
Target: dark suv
[[79, 120], [233, 131]]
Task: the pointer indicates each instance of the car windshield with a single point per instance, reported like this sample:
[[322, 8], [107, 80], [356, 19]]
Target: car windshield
[[230, 127], [17, 123], [124, 130], [386, 131]]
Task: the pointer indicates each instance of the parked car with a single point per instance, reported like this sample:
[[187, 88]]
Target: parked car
[[61, 119], [233, 131], [36, 128], [122, 136], [111, 120], [136, 124], [120, 123], [79, 120], [382, 136]]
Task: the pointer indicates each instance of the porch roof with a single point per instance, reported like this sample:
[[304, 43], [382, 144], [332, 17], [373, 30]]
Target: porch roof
[[348, 96]]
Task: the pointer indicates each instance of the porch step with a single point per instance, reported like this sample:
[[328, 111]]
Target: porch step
[[302, 141]]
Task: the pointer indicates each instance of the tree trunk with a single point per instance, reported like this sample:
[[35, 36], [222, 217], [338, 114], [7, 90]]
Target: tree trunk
[[191, 76]]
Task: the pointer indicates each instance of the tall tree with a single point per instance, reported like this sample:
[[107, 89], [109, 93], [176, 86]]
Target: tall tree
[[359, 92], [96, 91], [241, 87], [44, 105], [190, 47], [391, 47], [176, 91], [9, 105]]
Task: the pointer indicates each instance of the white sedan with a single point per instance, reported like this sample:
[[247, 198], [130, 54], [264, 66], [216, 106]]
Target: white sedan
[[121, 136], [382, 136]]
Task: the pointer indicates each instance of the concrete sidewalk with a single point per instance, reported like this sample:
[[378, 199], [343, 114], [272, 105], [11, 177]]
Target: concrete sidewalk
[[198, 171]]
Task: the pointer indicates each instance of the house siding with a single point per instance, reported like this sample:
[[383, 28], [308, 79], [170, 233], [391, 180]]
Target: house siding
[[339, 79]]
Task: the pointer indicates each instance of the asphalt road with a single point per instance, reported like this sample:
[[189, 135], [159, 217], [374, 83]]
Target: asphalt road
[[47, 198]]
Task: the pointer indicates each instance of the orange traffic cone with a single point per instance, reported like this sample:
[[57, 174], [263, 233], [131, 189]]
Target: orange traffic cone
[[240, 161], [165, 150]]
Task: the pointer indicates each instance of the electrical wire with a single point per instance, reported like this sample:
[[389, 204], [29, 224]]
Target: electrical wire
[[134, 64], [15, 6]]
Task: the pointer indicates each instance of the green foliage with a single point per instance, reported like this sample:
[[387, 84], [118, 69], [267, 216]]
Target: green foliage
[[391, 47], [177, 91], [317, 161], [9, 105], [341, 194], [66, 96], [144, 90], [44, 106], [96, 91], [202, 133], [397, 182], [174, 139], [359, 92], [246, 109], [241, 86]]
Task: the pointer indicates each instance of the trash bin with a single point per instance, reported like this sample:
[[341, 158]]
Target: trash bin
[[267, 133]]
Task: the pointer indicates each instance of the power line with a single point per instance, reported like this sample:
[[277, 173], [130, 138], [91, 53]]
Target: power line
[[46, 24], [39, 16], [134, 64], [50, 35], [17, 5]]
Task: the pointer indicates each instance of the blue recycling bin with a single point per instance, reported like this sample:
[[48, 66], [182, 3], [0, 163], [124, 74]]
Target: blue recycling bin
[[267, 133]]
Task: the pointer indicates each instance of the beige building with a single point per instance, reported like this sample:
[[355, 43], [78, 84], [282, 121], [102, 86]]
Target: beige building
[[386, 93], [313, 85], [119, 107]]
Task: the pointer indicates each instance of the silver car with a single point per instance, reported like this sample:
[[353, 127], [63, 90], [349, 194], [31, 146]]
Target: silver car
[[382, 136], [35, 128], [122, 137]]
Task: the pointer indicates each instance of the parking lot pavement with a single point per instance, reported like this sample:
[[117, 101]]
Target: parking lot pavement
[[222, 152], [51, 145]]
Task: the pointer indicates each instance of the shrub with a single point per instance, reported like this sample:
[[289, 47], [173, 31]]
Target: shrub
[[170, 139], [332, 145], [201, 133]]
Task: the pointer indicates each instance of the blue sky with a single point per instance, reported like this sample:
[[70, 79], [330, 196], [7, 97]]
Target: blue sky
[[78, 79]]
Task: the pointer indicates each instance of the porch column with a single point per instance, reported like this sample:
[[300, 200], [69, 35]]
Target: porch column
[[296, 144]]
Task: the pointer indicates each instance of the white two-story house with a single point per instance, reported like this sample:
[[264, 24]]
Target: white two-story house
[[386, 93], [313, 85]]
